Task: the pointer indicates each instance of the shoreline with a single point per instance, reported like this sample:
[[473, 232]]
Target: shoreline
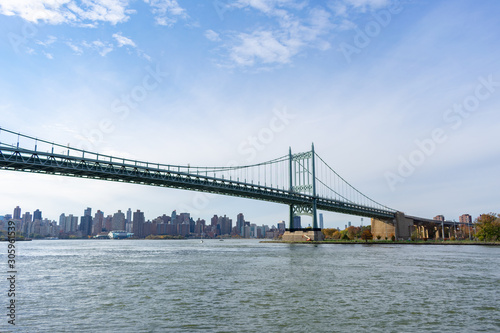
[[386, 243]]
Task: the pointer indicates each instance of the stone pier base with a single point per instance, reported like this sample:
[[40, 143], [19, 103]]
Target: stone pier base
[[302, 235]]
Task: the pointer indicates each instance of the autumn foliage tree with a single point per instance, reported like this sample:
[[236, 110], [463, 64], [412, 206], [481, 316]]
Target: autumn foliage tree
[[328, 233], [488, 227], [366, 235]]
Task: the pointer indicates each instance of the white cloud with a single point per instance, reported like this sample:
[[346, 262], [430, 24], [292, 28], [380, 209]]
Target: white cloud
[[291, 34], [101, 47], [261, 46], [66, 11], [212, 35], [166, 11], [78, 50], [270, 6], [367, 3], [48, 55], [50, 40], [123, 41]]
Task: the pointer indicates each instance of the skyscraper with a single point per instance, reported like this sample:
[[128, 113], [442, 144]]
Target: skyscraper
[[62, 222], [87, 212], [86, 225], [226, 224], [27, 218], [240, 223], [321, 220], [37, 215], [97, 222], [138, 224], [17, 213], [129, 216], [296, 222], [118, 222]]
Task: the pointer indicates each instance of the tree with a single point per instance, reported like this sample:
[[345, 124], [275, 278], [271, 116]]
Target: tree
[[328, 233], [353, 232], [343, 235], [366, 235], [488, 227]]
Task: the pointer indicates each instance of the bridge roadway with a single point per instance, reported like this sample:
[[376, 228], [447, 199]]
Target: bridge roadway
[[129, 171]]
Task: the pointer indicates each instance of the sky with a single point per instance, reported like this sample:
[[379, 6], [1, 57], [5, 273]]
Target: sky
[[401, 98]]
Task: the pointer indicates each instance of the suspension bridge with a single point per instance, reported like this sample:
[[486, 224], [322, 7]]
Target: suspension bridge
[[304, 181]]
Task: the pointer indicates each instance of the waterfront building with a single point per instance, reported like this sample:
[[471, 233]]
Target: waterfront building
[[183, 229], [240, 223], [87, 212], [62, 222], [225, 224], [27, 217], [97, 223], [118, 221], [281, 226], [71, 224], [17, 213], [199, 228], [246, 230], [174, 217], [138, 224], [86, 225], [129, 216], [37, 215], [108, 222]]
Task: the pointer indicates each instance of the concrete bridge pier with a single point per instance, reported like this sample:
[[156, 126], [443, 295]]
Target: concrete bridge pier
[[303, 235], [400, 227]]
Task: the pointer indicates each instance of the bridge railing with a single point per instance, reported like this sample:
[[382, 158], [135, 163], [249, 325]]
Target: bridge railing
[[273, 175]]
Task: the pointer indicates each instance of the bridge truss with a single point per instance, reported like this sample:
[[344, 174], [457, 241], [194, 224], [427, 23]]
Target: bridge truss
[[303, 181]]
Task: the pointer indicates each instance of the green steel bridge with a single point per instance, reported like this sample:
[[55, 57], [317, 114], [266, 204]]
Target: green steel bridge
[[304, 181]]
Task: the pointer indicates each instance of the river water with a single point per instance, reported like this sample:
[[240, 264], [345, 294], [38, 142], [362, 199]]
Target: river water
[[247, 286]]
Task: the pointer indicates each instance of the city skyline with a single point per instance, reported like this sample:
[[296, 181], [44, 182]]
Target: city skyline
[[176, 224], [399, 97], [299, 219]]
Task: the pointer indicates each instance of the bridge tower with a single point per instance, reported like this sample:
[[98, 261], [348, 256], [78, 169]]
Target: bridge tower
[[302, 172]]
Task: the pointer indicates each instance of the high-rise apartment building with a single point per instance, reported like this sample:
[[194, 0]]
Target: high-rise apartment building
[[439, 218], [118, 222], [86, 225], [138, 224], [129, 216], [97, 223], [37, 215], [240, 223], [71, 224], [17, 213], [281, 226], [87, 212], [27, 218], [226, 224], [465, 218], [296, 222]]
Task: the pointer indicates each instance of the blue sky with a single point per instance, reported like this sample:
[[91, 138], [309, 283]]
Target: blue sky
[[400, 97]]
